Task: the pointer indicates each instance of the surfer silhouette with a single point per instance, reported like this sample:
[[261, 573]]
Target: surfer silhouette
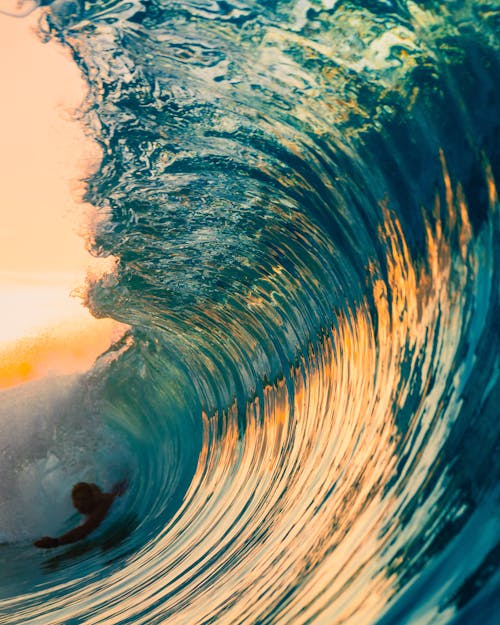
[[91, 501]]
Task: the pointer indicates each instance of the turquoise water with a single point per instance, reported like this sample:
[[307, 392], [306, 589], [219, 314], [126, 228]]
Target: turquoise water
[[302, 199]]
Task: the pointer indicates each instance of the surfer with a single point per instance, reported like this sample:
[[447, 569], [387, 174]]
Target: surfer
[[91, 501]]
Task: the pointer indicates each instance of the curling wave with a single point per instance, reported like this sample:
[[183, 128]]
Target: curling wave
[[302, 199]]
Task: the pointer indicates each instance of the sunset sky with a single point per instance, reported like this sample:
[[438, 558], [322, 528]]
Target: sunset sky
[[44, 153]]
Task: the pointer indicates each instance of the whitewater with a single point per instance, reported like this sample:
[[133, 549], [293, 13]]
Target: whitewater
[[301, 198]]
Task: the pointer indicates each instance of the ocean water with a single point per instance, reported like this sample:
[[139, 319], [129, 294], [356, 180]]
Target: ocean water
[[302, 199]]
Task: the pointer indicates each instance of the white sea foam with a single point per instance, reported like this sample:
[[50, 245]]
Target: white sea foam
[[51, 436]]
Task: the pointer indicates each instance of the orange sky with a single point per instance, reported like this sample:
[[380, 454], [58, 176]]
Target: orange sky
[[42, 151], [43, 155]]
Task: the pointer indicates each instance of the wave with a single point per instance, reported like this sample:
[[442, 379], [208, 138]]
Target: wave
[[301, 197]]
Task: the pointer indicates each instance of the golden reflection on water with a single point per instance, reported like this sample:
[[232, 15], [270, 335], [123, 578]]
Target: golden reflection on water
[[300, 518], [299, 512], [43, 156]]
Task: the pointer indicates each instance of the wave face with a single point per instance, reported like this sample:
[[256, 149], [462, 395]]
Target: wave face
[[301, 195]]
